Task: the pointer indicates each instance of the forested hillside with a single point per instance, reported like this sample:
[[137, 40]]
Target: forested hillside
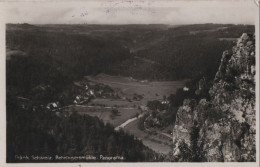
[[43, 133], [57, 57], [153, 52], [192, 51]]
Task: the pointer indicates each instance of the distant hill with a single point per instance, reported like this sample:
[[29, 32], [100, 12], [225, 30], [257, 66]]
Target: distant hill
[[58, 53], [189, 51], [24, 26]]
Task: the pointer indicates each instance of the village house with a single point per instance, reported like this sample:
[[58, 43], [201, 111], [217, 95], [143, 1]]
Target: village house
[[53, 105], [143, 108], [185, 89]]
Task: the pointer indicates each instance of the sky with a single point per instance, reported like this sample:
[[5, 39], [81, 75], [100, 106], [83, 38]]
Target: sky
[[131, 12]]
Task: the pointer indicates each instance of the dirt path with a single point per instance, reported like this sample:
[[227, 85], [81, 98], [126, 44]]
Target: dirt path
[[128, 122], [156, 142], [126, 108], [147, 60]]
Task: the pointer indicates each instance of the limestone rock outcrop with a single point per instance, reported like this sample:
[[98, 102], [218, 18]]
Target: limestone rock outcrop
[[223, 128]]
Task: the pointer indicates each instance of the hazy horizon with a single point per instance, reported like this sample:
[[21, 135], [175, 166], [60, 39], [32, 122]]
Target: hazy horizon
[[173, 25], [132, 12]]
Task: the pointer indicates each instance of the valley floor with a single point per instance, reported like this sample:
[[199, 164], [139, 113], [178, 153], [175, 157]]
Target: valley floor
[[130, 110]]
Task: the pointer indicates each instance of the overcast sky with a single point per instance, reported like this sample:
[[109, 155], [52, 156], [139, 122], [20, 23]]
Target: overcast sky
[[132, 12]]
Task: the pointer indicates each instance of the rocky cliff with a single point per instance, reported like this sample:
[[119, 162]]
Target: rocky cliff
[[222, 128]]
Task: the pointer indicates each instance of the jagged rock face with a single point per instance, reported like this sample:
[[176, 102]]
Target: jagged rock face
[[184, 122], [226, 123]]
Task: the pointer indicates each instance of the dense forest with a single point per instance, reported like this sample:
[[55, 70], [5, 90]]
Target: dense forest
[[43, 133], [57, 58], [190, 51]]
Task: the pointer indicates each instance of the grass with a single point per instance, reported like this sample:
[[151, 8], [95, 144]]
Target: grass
[[127, 87], [111, 102], [105, 114]]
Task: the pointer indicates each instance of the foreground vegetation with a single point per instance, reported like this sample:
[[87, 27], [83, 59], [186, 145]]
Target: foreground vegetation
[[43, 133]]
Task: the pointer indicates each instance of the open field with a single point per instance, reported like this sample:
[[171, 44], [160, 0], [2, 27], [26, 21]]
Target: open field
[[129, 107], [127, 87], [228, 39], [104, 113], [111, 103], [13, 52]]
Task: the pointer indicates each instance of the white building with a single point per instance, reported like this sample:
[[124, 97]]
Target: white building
[[186, 89]]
